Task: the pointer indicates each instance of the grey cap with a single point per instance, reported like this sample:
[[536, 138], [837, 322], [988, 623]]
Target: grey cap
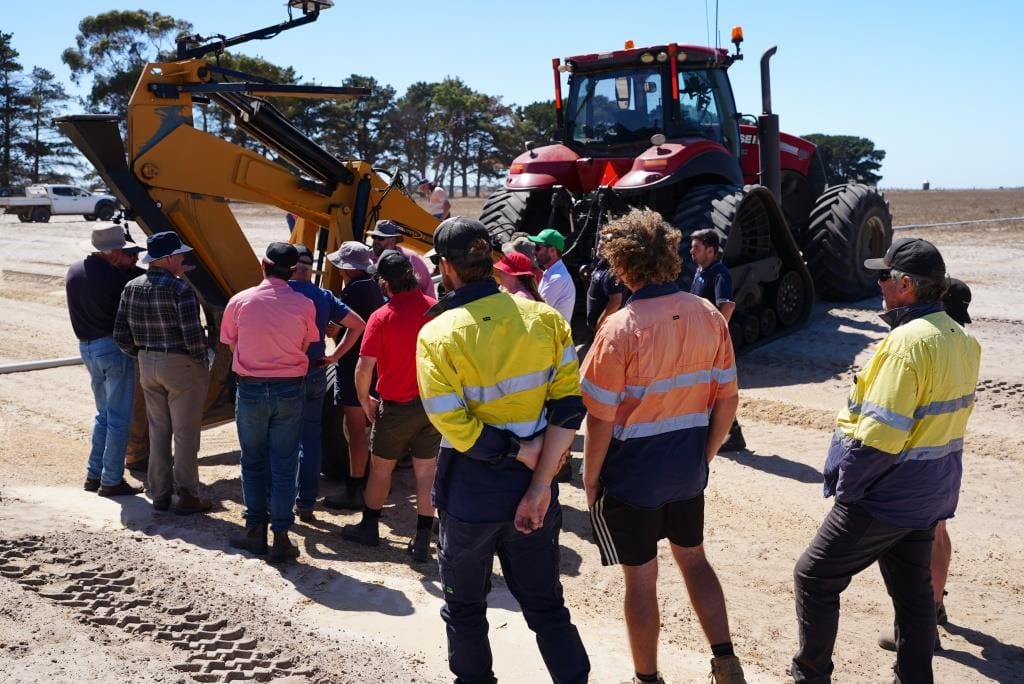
[[109, 238], [352, 255]]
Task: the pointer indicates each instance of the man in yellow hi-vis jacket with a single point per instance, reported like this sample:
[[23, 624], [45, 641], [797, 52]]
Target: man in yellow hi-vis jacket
[[499, 379], [894, 466]]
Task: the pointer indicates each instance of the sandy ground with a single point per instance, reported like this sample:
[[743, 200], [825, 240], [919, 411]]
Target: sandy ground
[[107, 590]]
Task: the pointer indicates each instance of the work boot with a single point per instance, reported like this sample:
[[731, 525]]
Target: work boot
[[161, 504], [254, 540], [349, 500], [282, 550], [727, 670], [659, 680], [735, 441], [887, 640], [419, 546], [92, 484], [122, 488], [189, 503], [365, 533], [305, 515]]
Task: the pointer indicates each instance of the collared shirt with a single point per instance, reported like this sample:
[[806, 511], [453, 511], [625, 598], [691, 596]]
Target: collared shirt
[[390, 337], [898, 447], [492, 369], [93, 288], [713, 283], [268, 325], [328, 308], [160, 311], [603, 284], [363, 296], [558, 290], [655, 371]]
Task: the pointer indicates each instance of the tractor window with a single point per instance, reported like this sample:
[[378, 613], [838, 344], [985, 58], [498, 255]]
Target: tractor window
[[698, 106], [615, 108]]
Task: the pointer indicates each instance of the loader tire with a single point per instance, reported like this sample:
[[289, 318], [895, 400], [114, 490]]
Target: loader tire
[[105, 211], [506, 212], [334, 463], [41, 215], [849, 223]]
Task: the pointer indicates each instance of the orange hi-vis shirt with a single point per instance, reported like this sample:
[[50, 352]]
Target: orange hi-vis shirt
[[655, 370]]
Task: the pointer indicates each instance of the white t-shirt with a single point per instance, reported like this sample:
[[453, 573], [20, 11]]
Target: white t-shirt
[[438, 198], [558, 290]]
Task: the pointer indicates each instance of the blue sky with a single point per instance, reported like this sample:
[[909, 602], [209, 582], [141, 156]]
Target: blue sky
[[921, 79]]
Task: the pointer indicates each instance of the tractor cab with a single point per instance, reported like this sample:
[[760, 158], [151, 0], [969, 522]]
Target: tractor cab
[[618, 100]]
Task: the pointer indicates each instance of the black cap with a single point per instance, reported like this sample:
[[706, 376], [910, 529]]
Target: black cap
[[956, 301], [455, 237], [282, 255], [913, 256], [391, 265], [303, 251]]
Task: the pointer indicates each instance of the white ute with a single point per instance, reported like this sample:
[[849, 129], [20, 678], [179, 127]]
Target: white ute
[[43, 201]]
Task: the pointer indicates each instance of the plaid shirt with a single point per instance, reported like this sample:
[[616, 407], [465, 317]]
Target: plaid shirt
[[159, 311]]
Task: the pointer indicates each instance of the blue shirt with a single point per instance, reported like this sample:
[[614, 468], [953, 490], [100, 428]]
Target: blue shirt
[[713, 284], [328, 308]]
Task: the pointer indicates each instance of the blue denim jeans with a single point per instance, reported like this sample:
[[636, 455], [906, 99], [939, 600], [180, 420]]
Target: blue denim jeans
[[310, 452], [268, 417], [113, 387]]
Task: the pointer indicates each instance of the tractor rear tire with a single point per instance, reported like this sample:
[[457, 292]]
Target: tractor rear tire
[[849, 223], [105, 211], [334, 463], [506, 212], [41, 215]]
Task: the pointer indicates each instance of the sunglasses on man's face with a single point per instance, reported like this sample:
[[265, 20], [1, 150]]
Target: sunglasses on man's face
[[435, 259], [884, 276]]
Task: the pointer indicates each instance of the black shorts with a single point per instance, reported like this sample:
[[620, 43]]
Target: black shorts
[[345, 386], [629, 536]]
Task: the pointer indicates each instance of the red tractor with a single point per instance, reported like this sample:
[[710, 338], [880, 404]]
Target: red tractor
[[657, 127]]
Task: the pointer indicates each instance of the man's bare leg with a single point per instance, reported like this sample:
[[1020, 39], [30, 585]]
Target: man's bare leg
[[705, 592], [424, 470], [642, 617], [378, 485], [942, 553]]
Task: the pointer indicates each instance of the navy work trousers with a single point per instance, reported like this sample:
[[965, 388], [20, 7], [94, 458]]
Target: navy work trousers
[[529, 563]]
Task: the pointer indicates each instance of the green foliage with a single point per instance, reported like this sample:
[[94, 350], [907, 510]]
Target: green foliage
[[113, 47], [361, 127], [848, 158], [13, 103], [48, 155]]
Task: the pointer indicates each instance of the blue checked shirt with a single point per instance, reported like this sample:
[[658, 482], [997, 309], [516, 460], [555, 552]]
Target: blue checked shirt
[[160, 311]]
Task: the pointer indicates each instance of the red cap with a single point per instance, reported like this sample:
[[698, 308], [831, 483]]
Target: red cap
[[515, 264]]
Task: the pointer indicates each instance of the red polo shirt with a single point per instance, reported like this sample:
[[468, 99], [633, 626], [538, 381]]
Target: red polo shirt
[[390, 337]]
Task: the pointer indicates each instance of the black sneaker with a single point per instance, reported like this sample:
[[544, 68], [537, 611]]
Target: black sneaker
[[92, 484], [419, 546], [122, 488], [367, 535]]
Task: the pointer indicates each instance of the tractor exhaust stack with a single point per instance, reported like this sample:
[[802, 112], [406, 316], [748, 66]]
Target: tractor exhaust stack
[[768, 132]]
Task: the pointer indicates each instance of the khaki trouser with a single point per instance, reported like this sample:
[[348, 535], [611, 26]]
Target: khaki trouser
[[175, 386]]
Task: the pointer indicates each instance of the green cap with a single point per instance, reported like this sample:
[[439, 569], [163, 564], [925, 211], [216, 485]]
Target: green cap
[[550, 237]]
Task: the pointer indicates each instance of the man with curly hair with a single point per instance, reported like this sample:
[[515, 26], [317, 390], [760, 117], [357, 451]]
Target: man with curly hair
[[659, 385]]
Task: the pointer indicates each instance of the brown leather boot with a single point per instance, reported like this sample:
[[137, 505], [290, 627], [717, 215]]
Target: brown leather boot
[[727, 670], [283, 550], [189, 503], [254, 540]]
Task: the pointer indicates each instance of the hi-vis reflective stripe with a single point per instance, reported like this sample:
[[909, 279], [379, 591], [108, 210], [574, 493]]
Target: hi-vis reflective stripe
[[518, 383], [568, 356], [660, 427], [526, 428], [719, 375], [931, 453], [443, 403], [885, 415], [604, 537], [601, 394], [937, 408]]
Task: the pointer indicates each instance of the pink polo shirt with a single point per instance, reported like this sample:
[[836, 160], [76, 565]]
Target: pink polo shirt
[[270, 326]]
